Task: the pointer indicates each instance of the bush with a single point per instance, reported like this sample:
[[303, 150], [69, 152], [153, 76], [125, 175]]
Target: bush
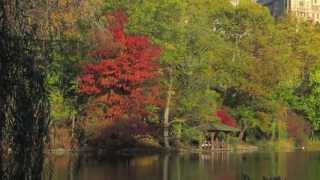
[[313, 144], [192, 136], [118, 134], [298, 129], [279, 145]]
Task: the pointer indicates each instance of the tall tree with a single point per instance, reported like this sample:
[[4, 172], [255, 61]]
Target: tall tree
[[123, 81], [24, 99]]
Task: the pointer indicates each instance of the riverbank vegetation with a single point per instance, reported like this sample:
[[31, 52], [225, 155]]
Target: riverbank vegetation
[[129, 74]]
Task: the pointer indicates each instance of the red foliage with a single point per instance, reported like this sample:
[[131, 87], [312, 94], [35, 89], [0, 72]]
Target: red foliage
[[297, 127], [226, 119], [115, 135], [123, 80]]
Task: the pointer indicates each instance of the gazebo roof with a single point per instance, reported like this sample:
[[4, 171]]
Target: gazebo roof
[[220, 127]]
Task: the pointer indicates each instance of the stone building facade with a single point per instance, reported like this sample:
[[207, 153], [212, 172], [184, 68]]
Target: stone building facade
[[306, 9], [276, 7]]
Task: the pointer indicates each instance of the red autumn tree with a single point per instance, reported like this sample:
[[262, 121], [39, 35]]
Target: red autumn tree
[[226, 119], [123, 80]]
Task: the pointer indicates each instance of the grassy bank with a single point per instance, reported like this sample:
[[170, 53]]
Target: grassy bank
[[61, 142]]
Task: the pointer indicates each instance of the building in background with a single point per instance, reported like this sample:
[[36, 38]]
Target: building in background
[[277, 7], [306, 9]]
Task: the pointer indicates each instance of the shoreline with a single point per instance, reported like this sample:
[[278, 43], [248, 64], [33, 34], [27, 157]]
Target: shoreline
[[239, 148]]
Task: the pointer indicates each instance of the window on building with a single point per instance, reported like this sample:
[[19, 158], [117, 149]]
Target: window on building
[[301, 3]]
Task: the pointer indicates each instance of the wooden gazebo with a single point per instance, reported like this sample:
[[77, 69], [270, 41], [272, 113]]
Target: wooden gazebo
[[214, 128]]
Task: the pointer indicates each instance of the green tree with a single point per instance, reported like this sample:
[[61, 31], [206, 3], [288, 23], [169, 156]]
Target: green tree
[[184, 31]]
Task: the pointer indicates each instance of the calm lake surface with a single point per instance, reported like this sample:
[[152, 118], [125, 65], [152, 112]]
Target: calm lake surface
[[298, 165]]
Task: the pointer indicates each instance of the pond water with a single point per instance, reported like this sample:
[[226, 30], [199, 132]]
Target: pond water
[[298, 165]]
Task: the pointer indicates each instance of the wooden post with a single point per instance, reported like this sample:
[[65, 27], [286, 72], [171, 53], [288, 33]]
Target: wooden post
[[227, 141], [212, 140]]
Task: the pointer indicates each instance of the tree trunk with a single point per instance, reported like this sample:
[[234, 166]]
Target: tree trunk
[[273, 134], [241, 135], [73, 140], [166, 116], [73, 126], [2, 119]]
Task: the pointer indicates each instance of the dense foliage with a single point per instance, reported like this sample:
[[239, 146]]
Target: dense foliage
[[236, 64], [164, 71]]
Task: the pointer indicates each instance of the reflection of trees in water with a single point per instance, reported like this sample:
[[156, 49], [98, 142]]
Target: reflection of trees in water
[[75, 163], [48, 168], [178, 168], [23, 99], [66, 166], [190, 166], [166, 167]]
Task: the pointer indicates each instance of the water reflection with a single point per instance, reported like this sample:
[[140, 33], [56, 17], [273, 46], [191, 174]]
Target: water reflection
[[213, 166], [166, 167]]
